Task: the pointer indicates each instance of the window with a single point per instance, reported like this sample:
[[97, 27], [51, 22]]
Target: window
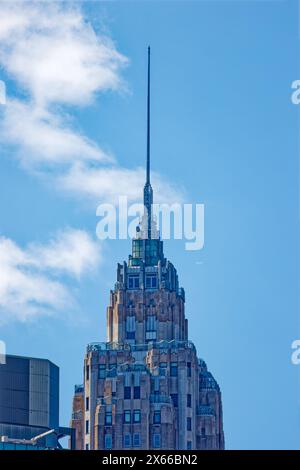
[[150, 335], [189, 445], [137, 248], [189, 400], [203, 431], [112, 370], [189, 424], [130, 327], [156, 417], [162, 368], [151, 251], [151, 327], [137, 416], [137, 392], [108, 419], [108, 441], [189, 369], [156, 384], [174, 397], [127, 393], [87, 372], [151, 281], [102, 371], [127, 440], [151, 323], [87, 426], [87, 447], [136, 440], [156, 441], [133, 282], [173, 369], [87, 403], [127, 416], [114, 386]]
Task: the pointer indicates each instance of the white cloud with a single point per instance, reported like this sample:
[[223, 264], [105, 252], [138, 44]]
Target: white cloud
[[58, 59], [55, 54], [30, 279], [107, 183], [42, 138], [71, 251]]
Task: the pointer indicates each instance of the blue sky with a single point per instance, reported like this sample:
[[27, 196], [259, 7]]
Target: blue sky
[[224, 131]]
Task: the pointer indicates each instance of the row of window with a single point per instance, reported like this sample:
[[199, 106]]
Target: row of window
[[150, 248], [132, 440], [150, 327], [134, 281], [137, 395], [174, 368], [150, 334], [135, 441], [135, 417], [128, 393], [102, 373], [174, 397]]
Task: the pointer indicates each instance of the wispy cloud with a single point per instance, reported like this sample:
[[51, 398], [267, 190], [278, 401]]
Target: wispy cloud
[[58, 60], [42, 140], [107, 183], [32, 278]]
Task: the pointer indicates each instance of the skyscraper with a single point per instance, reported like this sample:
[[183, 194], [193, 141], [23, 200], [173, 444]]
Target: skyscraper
[[145, 387]]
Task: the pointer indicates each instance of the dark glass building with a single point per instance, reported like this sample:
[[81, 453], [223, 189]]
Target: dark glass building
[[29, 404], [29, 397]]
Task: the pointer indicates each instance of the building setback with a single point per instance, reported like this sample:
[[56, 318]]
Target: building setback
[[145, 387]]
